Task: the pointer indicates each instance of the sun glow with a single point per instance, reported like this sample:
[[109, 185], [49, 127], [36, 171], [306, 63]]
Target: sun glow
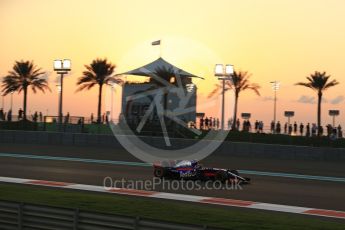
[[266, 40]]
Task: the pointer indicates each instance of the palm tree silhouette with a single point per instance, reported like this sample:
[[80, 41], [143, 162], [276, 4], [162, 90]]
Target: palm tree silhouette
[[99, 72], [318, 82], [240, 82], [23, 75]]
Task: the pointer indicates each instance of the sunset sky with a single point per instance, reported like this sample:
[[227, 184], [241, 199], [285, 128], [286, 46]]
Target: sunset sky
[[283, 40]]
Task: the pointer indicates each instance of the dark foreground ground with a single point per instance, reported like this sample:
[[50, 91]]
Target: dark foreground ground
[[175, 211]]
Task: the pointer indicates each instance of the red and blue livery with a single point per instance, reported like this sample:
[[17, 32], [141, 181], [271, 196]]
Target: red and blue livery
[[192, 170]]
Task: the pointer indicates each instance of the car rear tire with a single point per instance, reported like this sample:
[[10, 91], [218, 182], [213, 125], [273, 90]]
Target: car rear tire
[[159, 172]]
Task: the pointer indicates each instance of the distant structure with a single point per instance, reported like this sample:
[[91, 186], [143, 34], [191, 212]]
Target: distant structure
[[134, 108]]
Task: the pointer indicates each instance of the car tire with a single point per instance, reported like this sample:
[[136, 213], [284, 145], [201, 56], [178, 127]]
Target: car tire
[[159, 172]]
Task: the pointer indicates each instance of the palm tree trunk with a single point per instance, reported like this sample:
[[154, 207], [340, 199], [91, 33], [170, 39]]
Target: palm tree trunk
[[235, 113], [319, 111], [99, 111], [24, 102]]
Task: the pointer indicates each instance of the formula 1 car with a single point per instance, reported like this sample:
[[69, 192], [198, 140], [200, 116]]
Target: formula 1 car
[[192, 170]]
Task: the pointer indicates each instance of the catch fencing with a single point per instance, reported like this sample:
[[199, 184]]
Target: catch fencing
[[15, 216]]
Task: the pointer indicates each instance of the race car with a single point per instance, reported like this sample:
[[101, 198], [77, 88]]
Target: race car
[[192, 170]]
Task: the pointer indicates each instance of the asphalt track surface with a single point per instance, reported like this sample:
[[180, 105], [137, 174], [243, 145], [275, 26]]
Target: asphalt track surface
[[278, 190]]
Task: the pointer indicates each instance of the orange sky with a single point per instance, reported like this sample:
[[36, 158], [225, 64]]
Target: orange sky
[[283, 40]]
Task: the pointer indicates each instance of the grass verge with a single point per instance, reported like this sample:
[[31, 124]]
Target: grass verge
[[183, 212]]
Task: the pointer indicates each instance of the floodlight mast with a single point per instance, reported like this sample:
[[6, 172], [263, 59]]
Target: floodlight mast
[[223, 74], [61, 67], [275, 87]]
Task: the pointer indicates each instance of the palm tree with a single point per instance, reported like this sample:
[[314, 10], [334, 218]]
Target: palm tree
[[240, 82], [319, 82], [23, 75], [99, 72]]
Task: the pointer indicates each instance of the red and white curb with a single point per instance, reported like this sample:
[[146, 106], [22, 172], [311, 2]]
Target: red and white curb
[[182, 197]]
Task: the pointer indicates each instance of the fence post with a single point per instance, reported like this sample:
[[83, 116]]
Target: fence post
[[136, 223], [76, 219], [20, 216]]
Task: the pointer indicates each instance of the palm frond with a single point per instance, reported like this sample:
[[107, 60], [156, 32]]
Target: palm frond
[[98, 72], [318, 81], [305, 84], [23, 75], [240, 82], [331, 84], [86, 86], [215, 91], [114, 80]]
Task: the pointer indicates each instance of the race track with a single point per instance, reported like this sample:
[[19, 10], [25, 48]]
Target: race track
[[270, 189]]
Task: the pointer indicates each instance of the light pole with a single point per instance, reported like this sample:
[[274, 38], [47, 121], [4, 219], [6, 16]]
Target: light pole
[[61, 67], [58, 87], [275, 87], [223, 75]]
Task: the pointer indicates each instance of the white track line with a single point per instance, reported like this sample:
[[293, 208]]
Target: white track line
[[182, 197]]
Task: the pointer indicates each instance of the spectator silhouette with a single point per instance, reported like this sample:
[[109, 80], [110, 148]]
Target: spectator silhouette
[[91, 118], [308, 130], [340, 132], [295, 127], [290, 129], [238, 124], [329, 129], [301, 129], [256, 126], [272, 126], [2, 116], [278, 128], [261, 127], [201, 123], [244, 126], [229, 123], [313, 130], [20, 114], [206, 123], [9, 116], [35, 117], [67, 118]]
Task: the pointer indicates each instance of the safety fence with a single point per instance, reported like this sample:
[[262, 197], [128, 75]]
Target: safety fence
[[14, 215]]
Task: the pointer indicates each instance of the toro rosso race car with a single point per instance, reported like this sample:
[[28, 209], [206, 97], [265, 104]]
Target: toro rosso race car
[[192, 170]]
